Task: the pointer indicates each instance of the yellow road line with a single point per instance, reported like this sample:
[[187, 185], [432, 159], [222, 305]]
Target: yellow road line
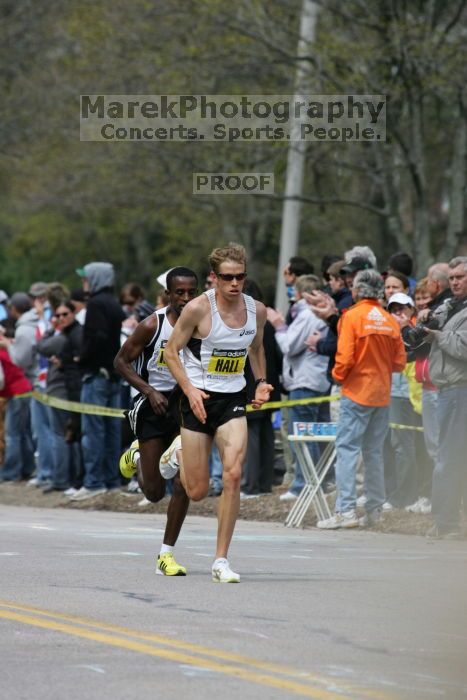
[[57, 624]]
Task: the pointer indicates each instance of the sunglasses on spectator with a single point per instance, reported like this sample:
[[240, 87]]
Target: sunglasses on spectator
[[64, 314], [227, 277]]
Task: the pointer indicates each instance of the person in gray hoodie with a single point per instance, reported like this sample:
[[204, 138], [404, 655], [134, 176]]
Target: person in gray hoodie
[[448, 371], [19, 462], [101, 384], [304, 371]]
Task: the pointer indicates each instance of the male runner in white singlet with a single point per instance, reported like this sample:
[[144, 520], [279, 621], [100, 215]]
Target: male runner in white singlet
[[216, 332], [141, 362]]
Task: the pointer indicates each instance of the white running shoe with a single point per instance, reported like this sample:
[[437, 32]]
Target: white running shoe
[[70, 492], [83, 494], [222, 573], [133, 487], [168, 465], [424, 505], [414, 507], [387, 506], [361, 500], [339, 520], [288, 496]]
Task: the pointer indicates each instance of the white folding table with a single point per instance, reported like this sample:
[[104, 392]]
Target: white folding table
[[313, 475]]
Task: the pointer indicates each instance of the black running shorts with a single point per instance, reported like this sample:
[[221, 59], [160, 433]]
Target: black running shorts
[[148, 425], [220, 408]]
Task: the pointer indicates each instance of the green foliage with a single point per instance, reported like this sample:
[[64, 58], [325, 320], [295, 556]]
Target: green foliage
[[66, 202]]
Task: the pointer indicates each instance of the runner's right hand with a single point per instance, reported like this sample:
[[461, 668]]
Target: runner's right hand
[[158, 402], [196, 398]]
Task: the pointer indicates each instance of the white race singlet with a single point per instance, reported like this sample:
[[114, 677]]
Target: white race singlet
[[216, 363]]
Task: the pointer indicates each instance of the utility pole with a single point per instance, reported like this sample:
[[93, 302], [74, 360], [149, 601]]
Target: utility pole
[[291, 212]]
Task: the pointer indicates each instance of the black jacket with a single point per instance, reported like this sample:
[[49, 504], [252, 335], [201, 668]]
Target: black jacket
[[328, 345], [70, 356], [273, 371], [101, 335]]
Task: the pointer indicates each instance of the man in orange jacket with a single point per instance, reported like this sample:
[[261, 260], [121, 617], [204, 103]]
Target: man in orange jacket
[[369, 350]]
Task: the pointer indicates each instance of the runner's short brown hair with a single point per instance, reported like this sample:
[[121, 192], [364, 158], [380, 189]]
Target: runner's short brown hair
[[234, 252]]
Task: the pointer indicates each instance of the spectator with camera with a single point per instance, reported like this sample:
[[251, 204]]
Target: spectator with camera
[[448, 371], [303, 372], [417, 345]]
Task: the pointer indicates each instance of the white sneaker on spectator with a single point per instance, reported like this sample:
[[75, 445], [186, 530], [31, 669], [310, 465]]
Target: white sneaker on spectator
[[424, 506], [133, 487], [245, 496], [387, 506], [144, 502], [414, 507], [222, 573], [288, 496], [70, 492], [339, 520], [361, 500], [168, 465], [83, 494], [33, 482]]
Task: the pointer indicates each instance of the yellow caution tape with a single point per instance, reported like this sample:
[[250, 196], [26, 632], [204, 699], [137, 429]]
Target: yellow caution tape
[[75, 406], [397, 426], [293, 402], [78, 407], [94, 409]]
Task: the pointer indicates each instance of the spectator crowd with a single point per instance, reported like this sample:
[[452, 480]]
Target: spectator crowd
[[391, 348]]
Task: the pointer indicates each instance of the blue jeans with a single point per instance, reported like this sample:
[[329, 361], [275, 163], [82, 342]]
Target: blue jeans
[[19, 448], [308, 414], [360, 429], [215, 468], [43, 439], [61, 449], [100, 440], [450, 474], [400, 457], [430, 421]]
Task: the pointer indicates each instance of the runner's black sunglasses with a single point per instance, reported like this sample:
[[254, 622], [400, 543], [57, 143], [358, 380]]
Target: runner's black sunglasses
[[227, 277]]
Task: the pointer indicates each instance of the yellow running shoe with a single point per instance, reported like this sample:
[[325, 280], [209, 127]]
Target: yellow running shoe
[[167, 566], [129, 459]]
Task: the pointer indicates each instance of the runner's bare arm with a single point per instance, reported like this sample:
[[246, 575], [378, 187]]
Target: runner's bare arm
[[130, 350], [184, 329], [258, 359]]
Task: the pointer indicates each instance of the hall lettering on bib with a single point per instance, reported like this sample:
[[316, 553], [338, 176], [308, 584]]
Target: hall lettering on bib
[[227, 361]]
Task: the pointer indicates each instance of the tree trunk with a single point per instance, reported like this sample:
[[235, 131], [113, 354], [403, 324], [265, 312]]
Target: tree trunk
[[385, 159], [422, 252], [456, 219], [290, 228]]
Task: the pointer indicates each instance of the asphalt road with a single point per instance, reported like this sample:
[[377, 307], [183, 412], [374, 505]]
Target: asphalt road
[[317, 614]]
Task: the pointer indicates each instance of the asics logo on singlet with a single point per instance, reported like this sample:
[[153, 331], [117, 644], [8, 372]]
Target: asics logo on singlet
[[245, 332], [238, 408]]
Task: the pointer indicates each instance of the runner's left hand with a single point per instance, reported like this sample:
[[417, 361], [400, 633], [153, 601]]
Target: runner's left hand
[[262, 393]]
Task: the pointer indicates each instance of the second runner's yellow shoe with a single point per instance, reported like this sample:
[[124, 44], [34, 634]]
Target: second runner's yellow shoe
[[167, 565], [129, 460]]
